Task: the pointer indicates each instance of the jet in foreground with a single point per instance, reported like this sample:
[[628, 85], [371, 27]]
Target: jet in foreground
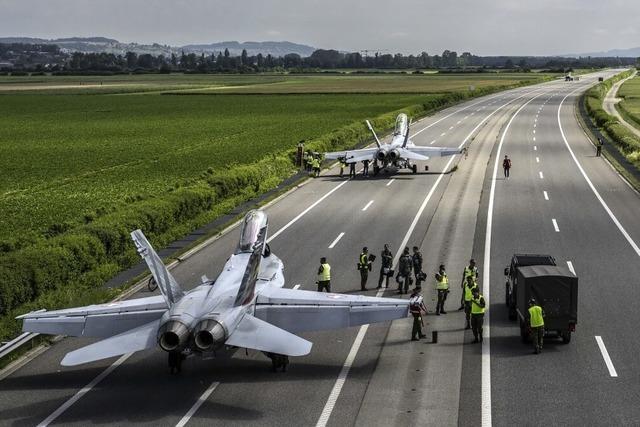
[[398, 154], [246, 306]]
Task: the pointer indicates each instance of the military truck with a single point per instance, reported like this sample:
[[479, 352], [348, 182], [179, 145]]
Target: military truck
[[555, 289]]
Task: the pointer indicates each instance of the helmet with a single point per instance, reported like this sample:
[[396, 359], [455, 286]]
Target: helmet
[[532, 301]]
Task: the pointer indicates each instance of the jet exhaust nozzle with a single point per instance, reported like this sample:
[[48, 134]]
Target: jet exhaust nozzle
[[394, 154], [173, 335], [381, 155], [209, 334]]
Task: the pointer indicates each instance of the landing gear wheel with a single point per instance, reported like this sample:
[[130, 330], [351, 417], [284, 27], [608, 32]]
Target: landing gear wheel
[[151, 284], [414, 168]]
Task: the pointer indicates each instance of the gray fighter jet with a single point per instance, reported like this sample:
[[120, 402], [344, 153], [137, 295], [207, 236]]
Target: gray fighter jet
[[398, 154], [246, 306]]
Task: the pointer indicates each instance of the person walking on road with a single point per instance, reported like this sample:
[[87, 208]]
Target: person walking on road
[[404, 272], [416, 260], [386, 260], [316, 166], [536, 321], [599, 147], [442, 287], [478, 307], [506, 166], [352, 170], [343, 163], [470, 270], [364, 265], [365, 169], [417, 309], [324, 276], [468, 297]]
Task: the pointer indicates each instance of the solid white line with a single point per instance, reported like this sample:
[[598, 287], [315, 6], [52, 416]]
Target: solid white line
[[570, 265], [537, 159], [304, 212], [197, 405], [535, 148], [593, 188], [296, 287], [337, 388], [541, 175], [336, 240], [367, 205], [555, 225], [390, 182], [84, 390], [546, 196], [486, 343], [605, 356]]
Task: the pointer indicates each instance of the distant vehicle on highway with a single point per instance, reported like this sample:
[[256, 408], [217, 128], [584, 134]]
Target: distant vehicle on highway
[[398, 154], [554, 288], [246, 306]]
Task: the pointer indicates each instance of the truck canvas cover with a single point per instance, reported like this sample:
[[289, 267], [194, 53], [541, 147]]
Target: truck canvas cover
[[554, 288], [522, 260]]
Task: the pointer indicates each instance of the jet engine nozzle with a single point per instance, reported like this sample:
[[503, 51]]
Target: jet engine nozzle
[[381, 155], [209, 334], [394, 154], [173, 335]]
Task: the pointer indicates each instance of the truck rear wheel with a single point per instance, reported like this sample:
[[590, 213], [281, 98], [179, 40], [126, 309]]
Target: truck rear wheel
[[566, 337]]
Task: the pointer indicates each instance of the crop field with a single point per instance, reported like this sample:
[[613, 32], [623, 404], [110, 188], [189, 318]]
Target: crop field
[[630, 91]]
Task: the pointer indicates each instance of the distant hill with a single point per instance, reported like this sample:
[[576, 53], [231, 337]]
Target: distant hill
[[103, 44], [252, 48], [633, 52]]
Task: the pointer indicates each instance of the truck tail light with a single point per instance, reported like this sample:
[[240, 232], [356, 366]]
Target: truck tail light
[[572, 327]]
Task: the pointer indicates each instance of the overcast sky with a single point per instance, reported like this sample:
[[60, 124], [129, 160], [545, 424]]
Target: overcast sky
[[484, 27]]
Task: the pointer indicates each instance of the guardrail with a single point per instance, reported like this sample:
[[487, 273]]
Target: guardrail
[[10, 346]]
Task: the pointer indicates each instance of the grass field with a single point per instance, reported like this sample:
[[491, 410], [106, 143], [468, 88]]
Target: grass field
[[630, 92]]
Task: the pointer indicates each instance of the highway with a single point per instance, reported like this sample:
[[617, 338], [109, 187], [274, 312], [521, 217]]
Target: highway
[[560, 199]]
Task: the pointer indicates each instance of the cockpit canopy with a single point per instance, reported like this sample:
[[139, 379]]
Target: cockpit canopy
[[401, 124], [253, 231]]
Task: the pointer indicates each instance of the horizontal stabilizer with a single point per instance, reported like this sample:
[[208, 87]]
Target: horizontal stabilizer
[[137, 339], [260, 335], [406, 154]]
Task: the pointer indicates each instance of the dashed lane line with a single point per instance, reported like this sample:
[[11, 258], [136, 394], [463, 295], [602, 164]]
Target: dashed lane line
[[432, 142], [537, 159], [605, 356], [337, 239], [367, 205], [535, 147], [546, 195], [541, 175], [296, 287], [197, 405], [390, 182], [555, 225], [570, 266]]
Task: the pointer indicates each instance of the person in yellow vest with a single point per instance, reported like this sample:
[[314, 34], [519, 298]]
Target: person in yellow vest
[[442, 287], [478, 307], [324, 276], [470, 270], [468, 296], [536, 321], [364, 265], [316, 166]]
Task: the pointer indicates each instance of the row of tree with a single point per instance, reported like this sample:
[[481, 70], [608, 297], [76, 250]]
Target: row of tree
[[320, 59]]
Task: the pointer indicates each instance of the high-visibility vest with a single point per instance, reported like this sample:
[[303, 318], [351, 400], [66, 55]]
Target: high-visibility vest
[[476, 308], [325, 274], [470, 272], [443, 284], [363, 261], [315, 163], [468, 291], [535, 316]]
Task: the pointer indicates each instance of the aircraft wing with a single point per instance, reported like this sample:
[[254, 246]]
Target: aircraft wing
[[300, 311], [433, 151], [260, 335], [101, 321], [353, 156]]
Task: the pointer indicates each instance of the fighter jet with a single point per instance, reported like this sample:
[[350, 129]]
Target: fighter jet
[[246, 306], [397, 154]]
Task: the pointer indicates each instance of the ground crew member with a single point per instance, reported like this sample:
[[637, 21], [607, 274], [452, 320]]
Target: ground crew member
[[352, 170], [506, 166], [309, 161], [305, 159], [404, 271], [599, 147], [365, 169], [324, 276], [343, 163], [175, 361], [386, 263], [417, 309], [442, 287], [316, 166], [536, 321], [478, 307], [416, 260], [470, 270], [364, 265], [468, 296]]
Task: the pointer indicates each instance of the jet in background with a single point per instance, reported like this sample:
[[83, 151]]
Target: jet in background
[[246, 306], [398, 154]]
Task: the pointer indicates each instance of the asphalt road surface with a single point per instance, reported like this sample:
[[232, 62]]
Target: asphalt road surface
[[560, 199]]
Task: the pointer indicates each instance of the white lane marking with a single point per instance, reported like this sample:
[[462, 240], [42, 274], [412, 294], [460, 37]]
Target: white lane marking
[[546, 196], [593, 188], [458, 122], [450, 127], [486, 343], [534, 139], [432, 142], [296, 287], [367, 205], [534, 131], [390, 182], [465, 117], [535, 124], [84, 390], [443, 134], [304, 212], [337, 387], [570, 265], [197, 405], [537, 159], [541, 175], [472, 113], [337, 239], [555, 225], [535, 148], [605, 356]]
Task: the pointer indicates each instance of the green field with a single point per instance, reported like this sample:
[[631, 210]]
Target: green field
[[630, 105]]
